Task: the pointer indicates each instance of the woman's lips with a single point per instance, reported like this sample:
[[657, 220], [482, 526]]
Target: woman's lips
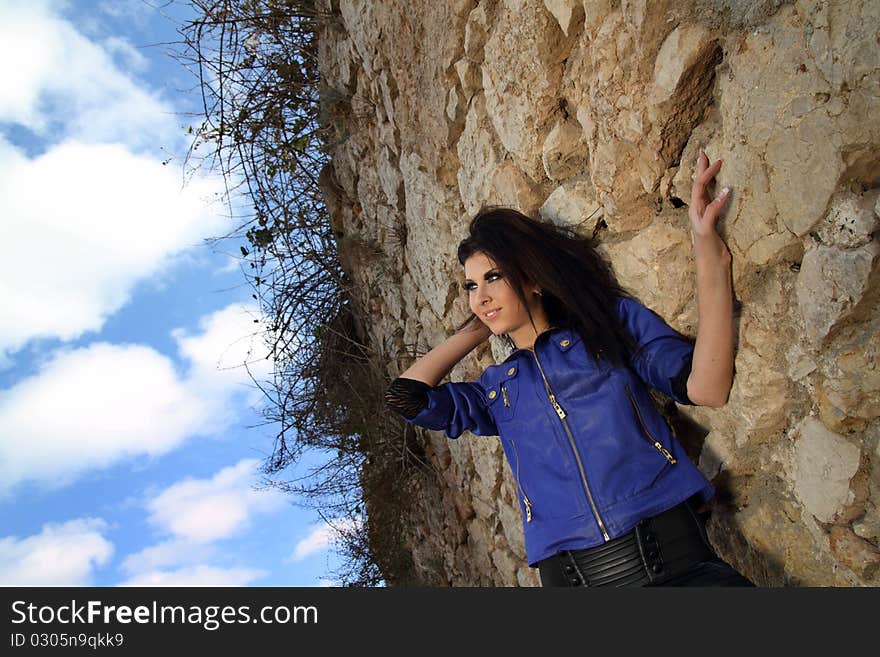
[[489, 318]]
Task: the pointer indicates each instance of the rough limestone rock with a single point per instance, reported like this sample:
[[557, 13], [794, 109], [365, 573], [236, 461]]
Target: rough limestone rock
[[824, 464], [591, 113], [573, 204], [831, 284]]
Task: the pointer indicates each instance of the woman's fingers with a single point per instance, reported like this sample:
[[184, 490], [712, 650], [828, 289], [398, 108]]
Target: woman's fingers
[[704, 209], [705, 173], [702, 161], [706, 221]]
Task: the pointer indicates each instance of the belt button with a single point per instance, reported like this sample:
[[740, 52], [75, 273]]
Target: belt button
[[651, 553], [569, 569], [650, 538], [657, 567], [575, 581]]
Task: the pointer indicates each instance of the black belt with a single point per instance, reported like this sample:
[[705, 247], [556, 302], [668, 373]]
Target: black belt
[[656, 549]]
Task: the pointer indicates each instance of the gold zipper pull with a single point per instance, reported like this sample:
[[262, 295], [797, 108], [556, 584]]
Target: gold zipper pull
[[504, 393], [557, 407], [519, 485], [665, 452]]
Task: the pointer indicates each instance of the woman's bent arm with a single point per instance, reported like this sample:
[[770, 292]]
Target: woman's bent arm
[[437, 363], [712, 372]]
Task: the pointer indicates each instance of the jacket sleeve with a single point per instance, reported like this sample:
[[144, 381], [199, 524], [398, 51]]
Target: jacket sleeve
[[450, 407], [663, 356], [407, 397]]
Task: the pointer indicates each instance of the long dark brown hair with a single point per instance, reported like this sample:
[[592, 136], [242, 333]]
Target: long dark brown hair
[[578, 288]]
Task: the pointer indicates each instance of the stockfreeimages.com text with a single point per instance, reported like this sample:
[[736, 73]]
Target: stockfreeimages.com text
[[209, 616]]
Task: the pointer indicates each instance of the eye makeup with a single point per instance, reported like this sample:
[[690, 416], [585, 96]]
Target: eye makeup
[[470, 285]]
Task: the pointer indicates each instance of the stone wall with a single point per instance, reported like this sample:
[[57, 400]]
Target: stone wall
[[591, 113]]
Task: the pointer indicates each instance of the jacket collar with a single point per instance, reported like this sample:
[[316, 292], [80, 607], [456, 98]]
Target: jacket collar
[[562, 337]]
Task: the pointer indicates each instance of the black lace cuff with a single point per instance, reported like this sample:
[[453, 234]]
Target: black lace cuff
[[679, 383], [407, 396]]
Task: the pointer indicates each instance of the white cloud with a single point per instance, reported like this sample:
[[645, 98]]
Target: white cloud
[[60, 555], [130, 56], [55, 80], [173, 552], [88, 408], [135, 11], [196, 576], [82, 225], [93, 214], [197, 513], [92, 407], [228, 339], [205, 510], [321, 537]]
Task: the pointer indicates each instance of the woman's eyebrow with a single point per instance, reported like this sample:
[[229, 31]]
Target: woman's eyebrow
[[486, 275]]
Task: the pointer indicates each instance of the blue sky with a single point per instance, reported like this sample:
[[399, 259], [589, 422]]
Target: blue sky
[[128, 451]]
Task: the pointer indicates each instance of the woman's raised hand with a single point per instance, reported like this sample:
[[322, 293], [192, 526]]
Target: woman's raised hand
[[703, 209]]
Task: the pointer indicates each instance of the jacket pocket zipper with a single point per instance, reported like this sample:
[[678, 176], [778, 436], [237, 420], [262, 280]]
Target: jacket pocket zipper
[[656, 443], [522, 490], [504, 394]]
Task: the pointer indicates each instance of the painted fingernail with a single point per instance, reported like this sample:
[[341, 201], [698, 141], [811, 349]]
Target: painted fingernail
[[725, 191]]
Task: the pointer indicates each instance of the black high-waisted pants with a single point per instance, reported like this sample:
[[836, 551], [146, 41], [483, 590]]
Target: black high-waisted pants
[[669, 549]]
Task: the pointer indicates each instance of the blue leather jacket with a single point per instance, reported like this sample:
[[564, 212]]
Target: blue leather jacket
[[590, 453]]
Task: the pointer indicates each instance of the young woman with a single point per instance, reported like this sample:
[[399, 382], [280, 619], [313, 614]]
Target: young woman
[[607, 494]]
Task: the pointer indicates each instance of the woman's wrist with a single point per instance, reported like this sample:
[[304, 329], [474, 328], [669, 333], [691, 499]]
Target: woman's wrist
[[710, 247], [475, 327], [473, 334]]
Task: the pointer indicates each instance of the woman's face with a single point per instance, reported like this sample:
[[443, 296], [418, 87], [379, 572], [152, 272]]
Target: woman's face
[[488, 291]]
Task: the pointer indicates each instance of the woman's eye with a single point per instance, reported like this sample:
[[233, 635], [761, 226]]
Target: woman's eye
[[473, 286]]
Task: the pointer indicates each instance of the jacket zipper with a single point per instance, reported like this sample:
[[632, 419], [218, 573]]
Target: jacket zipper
[[561, 414], [522, 490], [648, 434]]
